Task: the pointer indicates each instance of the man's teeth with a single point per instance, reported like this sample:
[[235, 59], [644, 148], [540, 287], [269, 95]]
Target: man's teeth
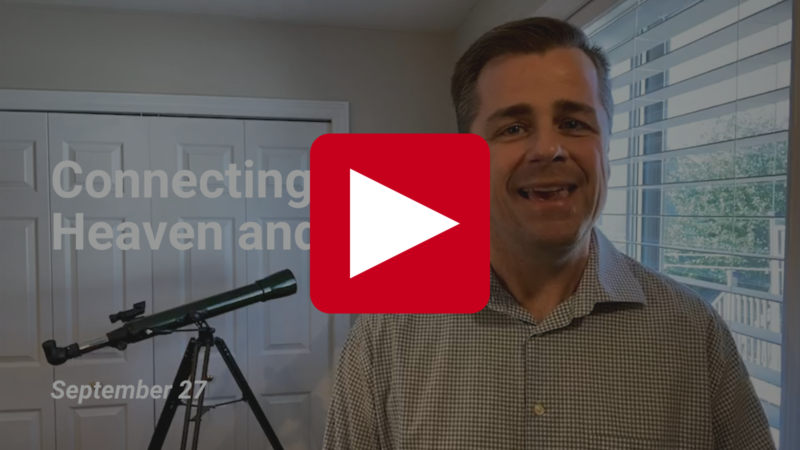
[[545, 189], [552, 192]]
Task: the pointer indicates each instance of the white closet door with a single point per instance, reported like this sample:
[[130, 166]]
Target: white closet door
[[90, 284], [183, 276], [27, 418], [290, 356]]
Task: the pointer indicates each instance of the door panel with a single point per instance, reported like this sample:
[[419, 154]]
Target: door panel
[[289, 347], [183, 276], [89, 284], [27, 413]]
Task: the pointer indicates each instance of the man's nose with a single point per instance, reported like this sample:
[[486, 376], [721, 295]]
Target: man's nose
[[546, 146]]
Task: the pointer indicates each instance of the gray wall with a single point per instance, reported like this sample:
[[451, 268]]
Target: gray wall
[[487, 14], [395, 82]]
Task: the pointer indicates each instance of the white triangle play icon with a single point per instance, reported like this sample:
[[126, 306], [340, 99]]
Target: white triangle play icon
[[385, 223]]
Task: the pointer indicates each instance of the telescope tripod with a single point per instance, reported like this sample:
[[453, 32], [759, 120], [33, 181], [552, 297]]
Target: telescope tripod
[[186, 372]]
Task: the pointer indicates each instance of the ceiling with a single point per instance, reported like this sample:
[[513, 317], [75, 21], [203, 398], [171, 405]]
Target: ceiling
[[399, 15]]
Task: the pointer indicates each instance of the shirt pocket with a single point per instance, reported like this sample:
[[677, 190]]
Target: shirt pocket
[[609, 441]]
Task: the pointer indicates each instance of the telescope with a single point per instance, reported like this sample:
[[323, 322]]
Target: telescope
[[136, 328]]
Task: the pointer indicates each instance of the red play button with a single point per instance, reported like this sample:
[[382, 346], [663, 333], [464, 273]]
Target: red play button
[[401, 223]]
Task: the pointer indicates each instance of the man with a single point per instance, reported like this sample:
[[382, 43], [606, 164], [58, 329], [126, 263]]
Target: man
[[579, 347]]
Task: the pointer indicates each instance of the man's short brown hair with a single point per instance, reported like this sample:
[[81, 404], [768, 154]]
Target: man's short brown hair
[[533, 35]]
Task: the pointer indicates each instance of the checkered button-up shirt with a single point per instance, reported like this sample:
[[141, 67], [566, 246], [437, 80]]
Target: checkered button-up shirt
[[632, 360]]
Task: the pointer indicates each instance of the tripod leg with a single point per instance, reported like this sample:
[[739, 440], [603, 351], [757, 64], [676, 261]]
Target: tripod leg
[[199, 415], [167, 414], [247, 393], [190, 401]]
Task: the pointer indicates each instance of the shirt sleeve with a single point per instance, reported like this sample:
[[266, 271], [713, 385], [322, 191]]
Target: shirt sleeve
[[740, 422], [351, 423]]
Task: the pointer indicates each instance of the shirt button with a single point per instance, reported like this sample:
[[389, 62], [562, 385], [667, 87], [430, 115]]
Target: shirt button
[[538, 409]]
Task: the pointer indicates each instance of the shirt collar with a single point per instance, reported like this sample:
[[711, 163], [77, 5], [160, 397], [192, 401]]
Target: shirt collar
[[607, 278]]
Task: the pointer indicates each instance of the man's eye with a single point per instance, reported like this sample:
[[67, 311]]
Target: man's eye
[[513, 130], [574, 125]]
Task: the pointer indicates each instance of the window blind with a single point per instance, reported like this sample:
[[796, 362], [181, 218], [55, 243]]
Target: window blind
[[698, 156]]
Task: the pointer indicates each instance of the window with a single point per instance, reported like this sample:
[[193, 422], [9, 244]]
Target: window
[[698, 156]]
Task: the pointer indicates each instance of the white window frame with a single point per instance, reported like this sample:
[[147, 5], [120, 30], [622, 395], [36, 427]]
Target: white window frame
[[790, 363]]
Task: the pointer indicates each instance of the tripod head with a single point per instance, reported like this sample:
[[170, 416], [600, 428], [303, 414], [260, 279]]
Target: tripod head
[[135, 328]]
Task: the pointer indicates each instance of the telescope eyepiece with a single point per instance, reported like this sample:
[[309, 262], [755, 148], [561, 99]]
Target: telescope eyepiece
[[59, 355]]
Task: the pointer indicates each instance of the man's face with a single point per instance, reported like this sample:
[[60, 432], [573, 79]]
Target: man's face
[[543, 120]]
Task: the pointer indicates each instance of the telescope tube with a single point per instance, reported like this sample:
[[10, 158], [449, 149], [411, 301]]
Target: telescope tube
[[277, 285]]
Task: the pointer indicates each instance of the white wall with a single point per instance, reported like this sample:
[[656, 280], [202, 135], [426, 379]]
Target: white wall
[[395, 82]]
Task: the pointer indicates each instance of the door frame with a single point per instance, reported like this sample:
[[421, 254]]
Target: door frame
[[335, 112]]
